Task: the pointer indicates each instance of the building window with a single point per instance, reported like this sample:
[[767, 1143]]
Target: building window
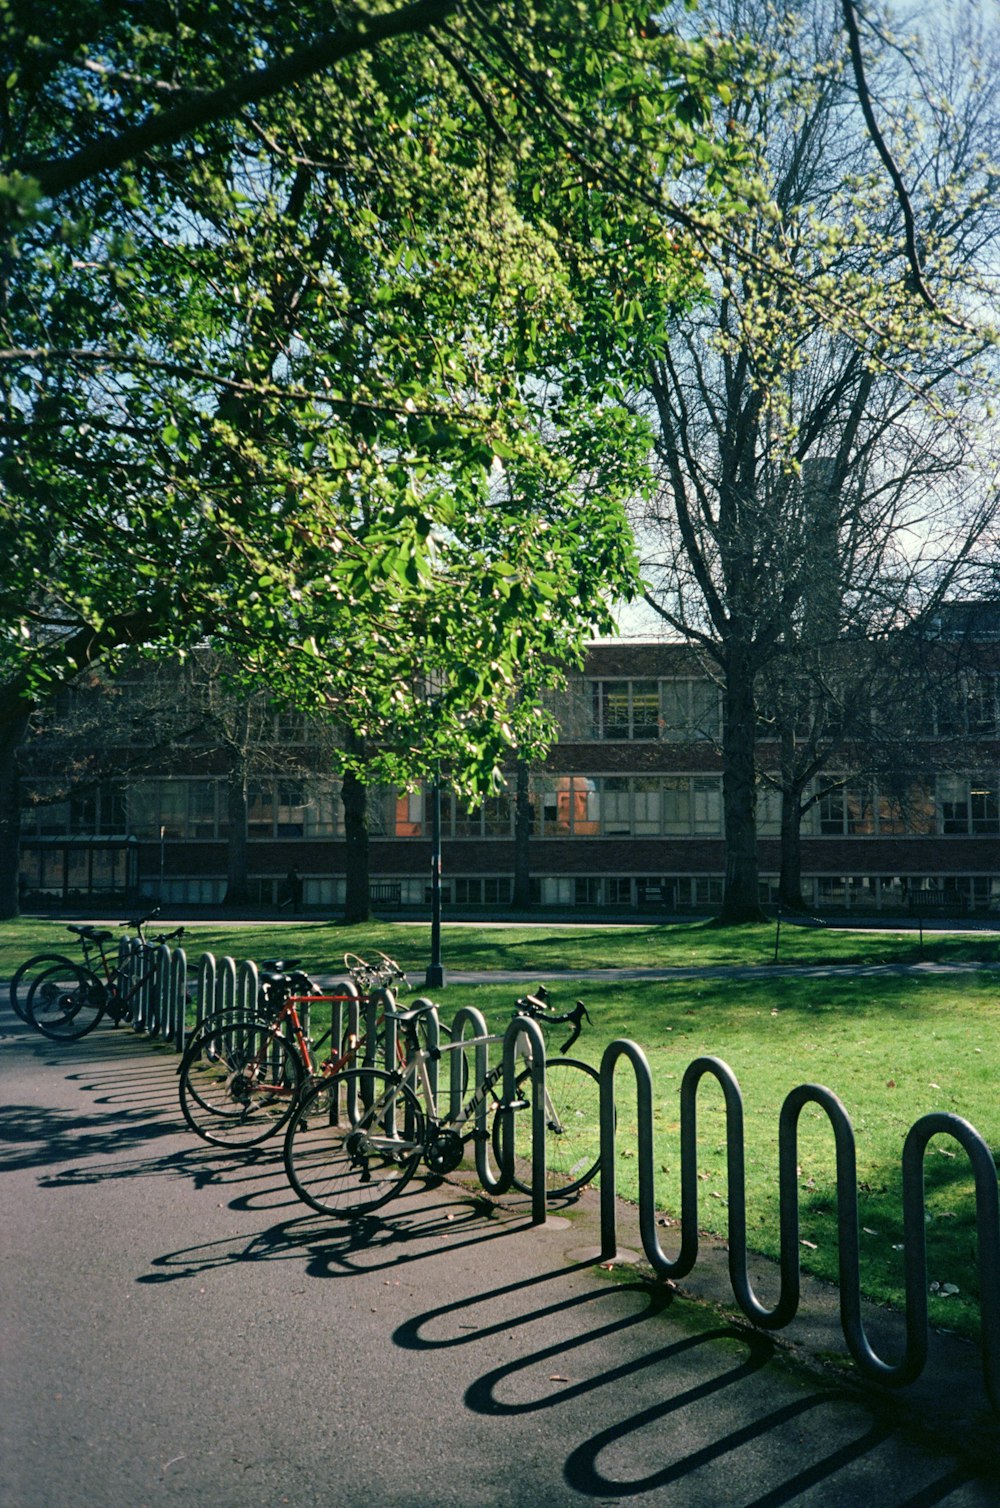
[[706, 804], [647, 805], [324, 815], [984, 805], [177, 809], [625, 710], [677, 804], [968, 707], [953, 804], [768, 810], [409, 815], [906, 810], [260, 811], [691, 710], [616, 816]]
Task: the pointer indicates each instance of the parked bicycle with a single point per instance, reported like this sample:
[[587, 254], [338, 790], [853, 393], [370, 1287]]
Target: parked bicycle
[[65, 999], [355, 1140], [241, 1074]]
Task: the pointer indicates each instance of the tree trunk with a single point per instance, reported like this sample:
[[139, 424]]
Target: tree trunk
[[741, 897], [358, 898], [11, 735], [237, 849], [521, 897]]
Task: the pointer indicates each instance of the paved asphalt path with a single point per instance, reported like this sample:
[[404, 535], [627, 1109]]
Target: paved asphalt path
[[178, 1330]]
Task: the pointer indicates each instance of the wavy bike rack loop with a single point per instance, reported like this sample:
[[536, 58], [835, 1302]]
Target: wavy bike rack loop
[[868, 1362]]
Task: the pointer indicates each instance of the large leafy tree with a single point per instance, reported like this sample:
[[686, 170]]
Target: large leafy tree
[[309, 344]]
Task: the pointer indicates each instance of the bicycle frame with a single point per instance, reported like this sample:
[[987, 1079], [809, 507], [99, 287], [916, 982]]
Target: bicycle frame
[[523, 1045]]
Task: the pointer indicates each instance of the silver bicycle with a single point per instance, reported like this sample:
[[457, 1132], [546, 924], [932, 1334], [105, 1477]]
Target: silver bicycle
[[356, 1140]]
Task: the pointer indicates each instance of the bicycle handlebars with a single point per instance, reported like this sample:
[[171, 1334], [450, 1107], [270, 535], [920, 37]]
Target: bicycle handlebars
[[537, 1008]]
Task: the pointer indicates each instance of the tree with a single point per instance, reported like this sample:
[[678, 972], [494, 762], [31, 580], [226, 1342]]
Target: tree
[[292, 350], [806, 417]]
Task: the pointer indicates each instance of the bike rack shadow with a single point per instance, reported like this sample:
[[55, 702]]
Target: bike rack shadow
[[683, 1376]]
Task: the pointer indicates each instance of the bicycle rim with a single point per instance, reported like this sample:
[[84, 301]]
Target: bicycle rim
[[65, 1002], [239, 1081], [28, 972], [572, 1128], [353, 1143]]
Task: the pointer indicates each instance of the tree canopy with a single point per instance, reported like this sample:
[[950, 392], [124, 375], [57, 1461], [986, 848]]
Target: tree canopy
[[309, 341]]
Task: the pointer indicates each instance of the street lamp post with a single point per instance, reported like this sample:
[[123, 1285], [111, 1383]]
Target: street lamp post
[[434, 978]]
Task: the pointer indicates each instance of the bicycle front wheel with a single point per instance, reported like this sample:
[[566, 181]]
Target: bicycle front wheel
[[240, 1080], [572, 1127], [353, 1142], [25, 976], [65, 1001]]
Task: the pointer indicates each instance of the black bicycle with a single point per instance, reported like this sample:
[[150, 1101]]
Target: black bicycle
[[65, 999]]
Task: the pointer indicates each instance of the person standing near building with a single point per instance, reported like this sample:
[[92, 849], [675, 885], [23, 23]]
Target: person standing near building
[[293, 887]]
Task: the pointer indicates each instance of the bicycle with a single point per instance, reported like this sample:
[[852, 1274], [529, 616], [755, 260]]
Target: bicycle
[[65, 999], [241, 1075], [354, 1141]]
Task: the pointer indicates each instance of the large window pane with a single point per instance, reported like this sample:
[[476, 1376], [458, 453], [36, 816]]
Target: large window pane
[[707, 804], [677, 804], [953, 800], [646, 820], [615, 805], [645, 710], [985, 805]]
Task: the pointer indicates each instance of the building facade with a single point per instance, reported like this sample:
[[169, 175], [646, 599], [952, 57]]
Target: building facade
[[627, 816]]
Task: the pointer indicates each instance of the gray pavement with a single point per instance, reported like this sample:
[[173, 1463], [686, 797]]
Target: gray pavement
[[179, 1330]]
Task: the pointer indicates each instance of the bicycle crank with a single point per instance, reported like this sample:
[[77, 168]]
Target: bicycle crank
[[444, 1152]]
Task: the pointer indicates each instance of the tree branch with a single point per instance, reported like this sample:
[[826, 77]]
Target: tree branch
[[166, 126]]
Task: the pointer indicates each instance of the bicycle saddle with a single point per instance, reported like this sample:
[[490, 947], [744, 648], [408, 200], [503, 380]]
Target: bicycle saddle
[[93, 934]]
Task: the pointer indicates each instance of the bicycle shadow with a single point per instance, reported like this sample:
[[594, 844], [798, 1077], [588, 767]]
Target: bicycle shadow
[[365, 1244], [34, 1136]]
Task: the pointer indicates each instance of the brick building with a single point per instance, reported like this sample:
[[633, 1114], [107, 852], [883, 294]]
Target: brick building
[[627, 815]]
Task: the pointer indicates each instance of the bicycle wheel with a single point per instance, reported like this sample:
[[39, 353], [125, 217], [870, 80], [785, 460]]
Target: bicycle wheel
[[65, 1001], [26, 975], [353, 1142], [239, 1080], [572, 1127]]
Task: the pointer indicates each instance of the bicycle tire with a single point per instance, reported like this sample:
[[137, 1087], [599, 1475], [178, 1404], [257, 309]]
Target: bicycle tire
[[572, 1133], [341, 1156], [27, 973], [239, 1080], [65, 1002]]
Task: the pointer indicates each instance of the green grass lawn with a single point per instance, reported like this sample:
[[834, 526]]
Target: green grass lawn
[[547, 948], [892, 1048]]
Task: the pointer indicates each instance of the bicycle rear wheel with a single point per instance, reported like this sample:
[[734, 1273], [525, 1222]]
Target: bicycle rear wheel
[[353, 1142], [65, 1001], [572, 1127], [26, 975], [239, 1080]]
